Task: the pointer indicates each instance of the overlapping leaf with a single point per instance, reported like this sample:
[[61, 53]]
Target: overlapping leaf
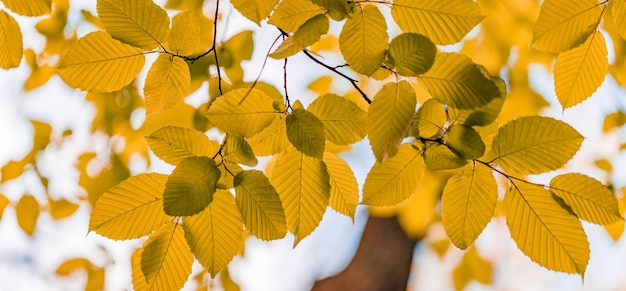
[[429, 119], [309, 33], [480, 116], [363, 40], [166, 259], [10, 42], [243, 112], [468, 203], [337, 9], [306, 133], [167, 84], [173, 144], [237, 150], [190, 187], [30, 7], [440, 157], [132, 209], [344, 121], [214, 235], [545, 231], [412, 54], [100, 63], [272, 139], [255, 10], [618, 10], [291, 14], [464, 141], [185, 33], [344, 190], [444, 22]]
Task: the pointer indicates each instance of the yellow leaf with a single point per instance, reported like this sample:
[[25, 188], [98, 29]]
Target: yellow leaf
[[291, 14], [468, 204], [535, 144], [167, 84], [190, 187], [564, 24], [411, 54], [614, 120], [237, 150], [429, 120], [71, 265], [395, 179], [27, 212], [255, 10], [214, 235], [309, 33], [580, 71], [546, 232], [10, 41], [61, 208], [100, 63], [344, 122], [472, 267], [166, 259], [13, 169], [132, 209], [363, 40], [30, 7], [140, 23], [464, 141], [173, 144], [480, 116], [618, 10], [272, 139], [304, 188], [587, 197], [4, 201], [306, 133], [227, 179], [389, 118], [260, 205], [185, 33], [337, 9], [444, 21], [440, 157], [344, 189], [243, 112], [456, 81]]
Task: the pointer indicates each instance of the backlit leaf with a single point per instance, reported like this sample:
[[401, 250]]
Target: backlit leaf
[[100, 63], [260, 205], [389, 118], [580, 71], [444, 21], [618, 10], [291, 14], [272, 139], [255, 10], [394, 180], [30, 7], [238, 151], [306, 35], [587, 197], [140, 23], [337, 9], [173, 144], [546, 232], [468, 204], [535, 144], [344, 121], [242, 112], [59, 208], [480, 116], [167, 84], [472, 267], [303, 184], [412, 54], [166, 259], [440, 157], [363, 40], [464, 141], [214, 235], [429, 120], [185, 33], [456, 81], [190, 187], [27, 212], [132, 209], [344, 190], [306, 133], [10, 41], [563, 25]]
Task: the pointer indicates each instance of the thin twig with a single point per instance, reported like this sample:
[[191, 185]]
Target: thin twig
[[288, 105], [510, 177], [267, 55], [217, 63]]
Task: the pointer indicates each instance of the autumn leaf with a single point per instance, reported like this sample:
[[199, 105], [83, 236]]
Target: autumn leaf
[[10, 41], [363, 40]]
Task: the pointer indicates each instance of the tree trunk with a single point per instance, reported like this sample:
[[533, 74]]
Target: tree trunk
[[381, 263]]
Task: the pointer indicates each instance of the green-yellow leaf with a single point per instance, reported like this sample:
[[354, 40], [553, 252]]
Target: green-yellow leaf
[[456, 81], [167, 84], [580, 71], [132, 209], [291, 14], [242, 112], [344, 189], [429, 120], [11, 49], [272, 139], [440, 157], [30, 7], [464, 141], [100, 63], [306, 133], [546, 232], [389, 118], [27, 212], [394, 180], [166, 259], [309, 33], [255, 10], [535, 144], [363, 40], [190, 187], [260, 205], [173, 144], [337, 9], [587, 197], [185, 33], [140, 23], [412, 54], [214, 235], [344, 121], [303, 184], [468, 204], [443, 21], [618, 10], [564, 25], [238, 151], [480, 116]]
